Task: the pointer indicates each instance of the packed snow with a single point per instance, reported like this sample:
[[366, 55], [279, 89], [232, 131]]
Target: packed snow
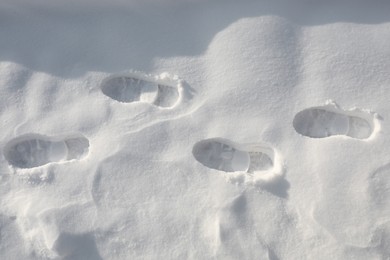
[[194, 129]]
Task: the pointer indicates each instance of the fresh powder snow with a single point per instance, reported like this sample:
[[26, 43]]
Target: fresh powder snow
[[194, 129]]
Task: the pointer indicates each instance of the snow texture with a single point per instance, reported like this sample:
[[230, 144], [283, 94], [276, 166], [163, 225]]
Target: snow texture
[[194, 129]]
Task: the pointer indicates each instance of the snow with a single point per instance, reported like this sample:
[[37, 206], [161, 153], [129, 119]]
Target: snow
[[194, 129]]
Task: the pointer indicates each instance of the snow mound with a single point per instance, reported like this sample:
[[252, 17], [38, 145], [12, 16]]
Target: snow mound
[[195, 130]]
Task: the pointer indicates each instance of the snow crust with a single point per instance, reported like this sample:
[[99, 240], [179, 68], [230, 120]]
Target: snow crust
[[194, 130]]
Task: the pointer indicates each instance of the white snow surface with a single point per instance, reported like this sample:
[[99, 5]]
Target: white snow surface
[[194, 129]]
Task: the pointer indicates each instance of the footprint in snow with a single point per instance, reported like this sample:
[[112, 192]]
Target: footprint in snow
[[260, 162], [33, 150], [136, 87], [329, 120]]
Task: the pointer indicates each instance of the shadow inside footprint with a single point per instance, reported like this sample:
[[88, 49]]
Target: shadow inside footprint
[[139, 88], [35, 150], [221, 154], [320, 122], [259, 161], [80, 247], [166, 96]]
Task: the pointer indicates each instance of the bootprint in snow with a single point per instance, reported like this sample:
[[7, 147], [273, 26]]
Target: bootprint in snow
[[35, 150], [329, 120], [257, 160], [136, 87]]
